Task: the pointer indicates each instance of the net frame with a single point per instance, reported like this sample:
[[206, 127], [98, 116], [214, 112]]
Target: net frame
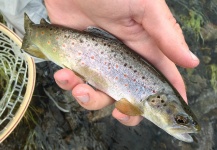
[[16, 98]]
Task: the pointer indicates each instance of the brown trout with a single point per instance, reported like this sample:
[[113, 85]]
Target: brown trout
[[112, 67]]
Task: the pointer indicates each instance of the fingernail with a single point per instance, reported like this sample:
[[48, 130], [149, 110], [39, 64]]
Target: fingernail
[[83, 98], [125, 118], [62, 81], [194, 57]]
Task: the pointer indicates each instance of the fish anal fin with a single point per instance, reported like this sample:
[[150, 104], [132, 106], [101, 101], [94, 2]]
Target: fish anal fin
[[125, 107], [77, 74]]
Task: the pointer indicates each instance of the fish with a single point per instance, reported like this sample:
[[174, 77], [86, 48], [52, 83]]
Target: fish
[[110, 66]]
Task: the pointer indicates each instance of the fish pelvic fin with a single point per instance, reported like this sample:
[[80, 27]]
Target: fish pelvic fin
[[125, 107]]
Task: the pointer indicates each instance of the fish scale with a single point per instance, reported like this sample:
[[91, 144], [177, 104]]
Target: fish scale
[[124, 74], [112, 67]]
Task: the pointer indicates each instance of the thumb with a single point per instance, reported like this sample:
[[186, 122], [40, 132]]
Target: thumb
[[163, 28]]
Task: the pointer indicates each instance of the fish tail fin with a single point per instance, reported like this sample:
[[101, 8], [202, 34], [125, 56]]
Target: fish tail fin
[[26, 40], [27, 23], [27, 45]]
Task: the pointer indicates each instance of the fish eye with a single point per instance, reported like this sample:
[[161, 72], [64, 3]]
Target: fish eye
[[181, 120]]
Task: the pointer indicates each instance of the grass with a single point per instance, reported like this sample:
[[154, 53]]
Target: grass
[[192, 22], [4, 79], [213, 80]]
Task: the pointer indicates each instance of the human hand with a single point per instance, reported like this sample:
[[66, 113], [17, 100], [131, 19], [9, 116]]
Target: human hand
[[147, 27]]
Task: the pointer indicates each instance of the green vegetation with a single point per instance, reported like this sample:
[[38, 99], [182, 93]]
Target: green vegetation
[[213, 79], [189, 71], [4, 79], [192, 22]]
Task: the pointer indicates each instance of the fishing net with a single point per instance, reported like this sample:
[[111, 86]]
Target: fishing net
[[17, 79]]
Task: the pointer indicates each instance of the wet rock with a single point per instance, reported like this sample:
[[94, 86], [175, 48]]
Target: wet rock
[[196, 84], [209, 32], [206, 59], [215, 50]]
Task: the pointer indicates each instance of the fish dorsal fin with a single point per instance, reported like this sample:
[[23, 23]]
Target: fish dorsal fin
[[125, 107], [34, 51], [100, 32], [43, 21]]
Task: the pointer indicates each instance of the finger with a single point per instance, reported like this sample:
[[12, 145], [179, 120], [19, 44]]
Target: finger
[[125, 119], [147, 48], [159, 22], [66, 79], [89, 98], [171, 72]]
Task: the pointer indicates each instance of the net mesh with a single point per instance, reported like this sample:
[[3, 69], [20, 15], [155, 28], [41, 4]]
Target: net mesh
[[13, 82]]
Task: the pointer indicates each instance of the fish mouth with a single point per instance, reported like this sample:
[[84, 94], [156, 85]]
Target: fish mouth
[[184, 137]]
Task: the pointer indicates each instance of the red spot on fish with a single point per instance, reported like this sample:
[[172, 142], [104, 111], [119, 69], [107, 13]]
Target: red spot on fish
[[105, 63], [54, 49], [92, 57], [79, 53], [125, 75], [154, 91], [116, 78], [57, 38], [126, 84], [134, 80], [117, 66], [109, 67], [64, 45]]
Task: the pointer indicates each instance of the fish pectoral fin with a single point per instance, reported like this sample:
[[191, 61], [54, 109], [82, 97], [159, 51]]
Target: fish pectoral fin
[[125, 107]]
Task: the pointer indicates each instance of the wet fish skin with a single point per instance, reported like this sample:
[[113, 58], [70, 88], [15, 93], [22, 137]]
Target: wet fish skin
[[115, 69]]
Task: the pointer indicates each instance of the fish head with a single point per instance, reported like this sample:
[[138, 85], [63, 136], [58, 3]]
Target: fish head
[[172, 115]]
